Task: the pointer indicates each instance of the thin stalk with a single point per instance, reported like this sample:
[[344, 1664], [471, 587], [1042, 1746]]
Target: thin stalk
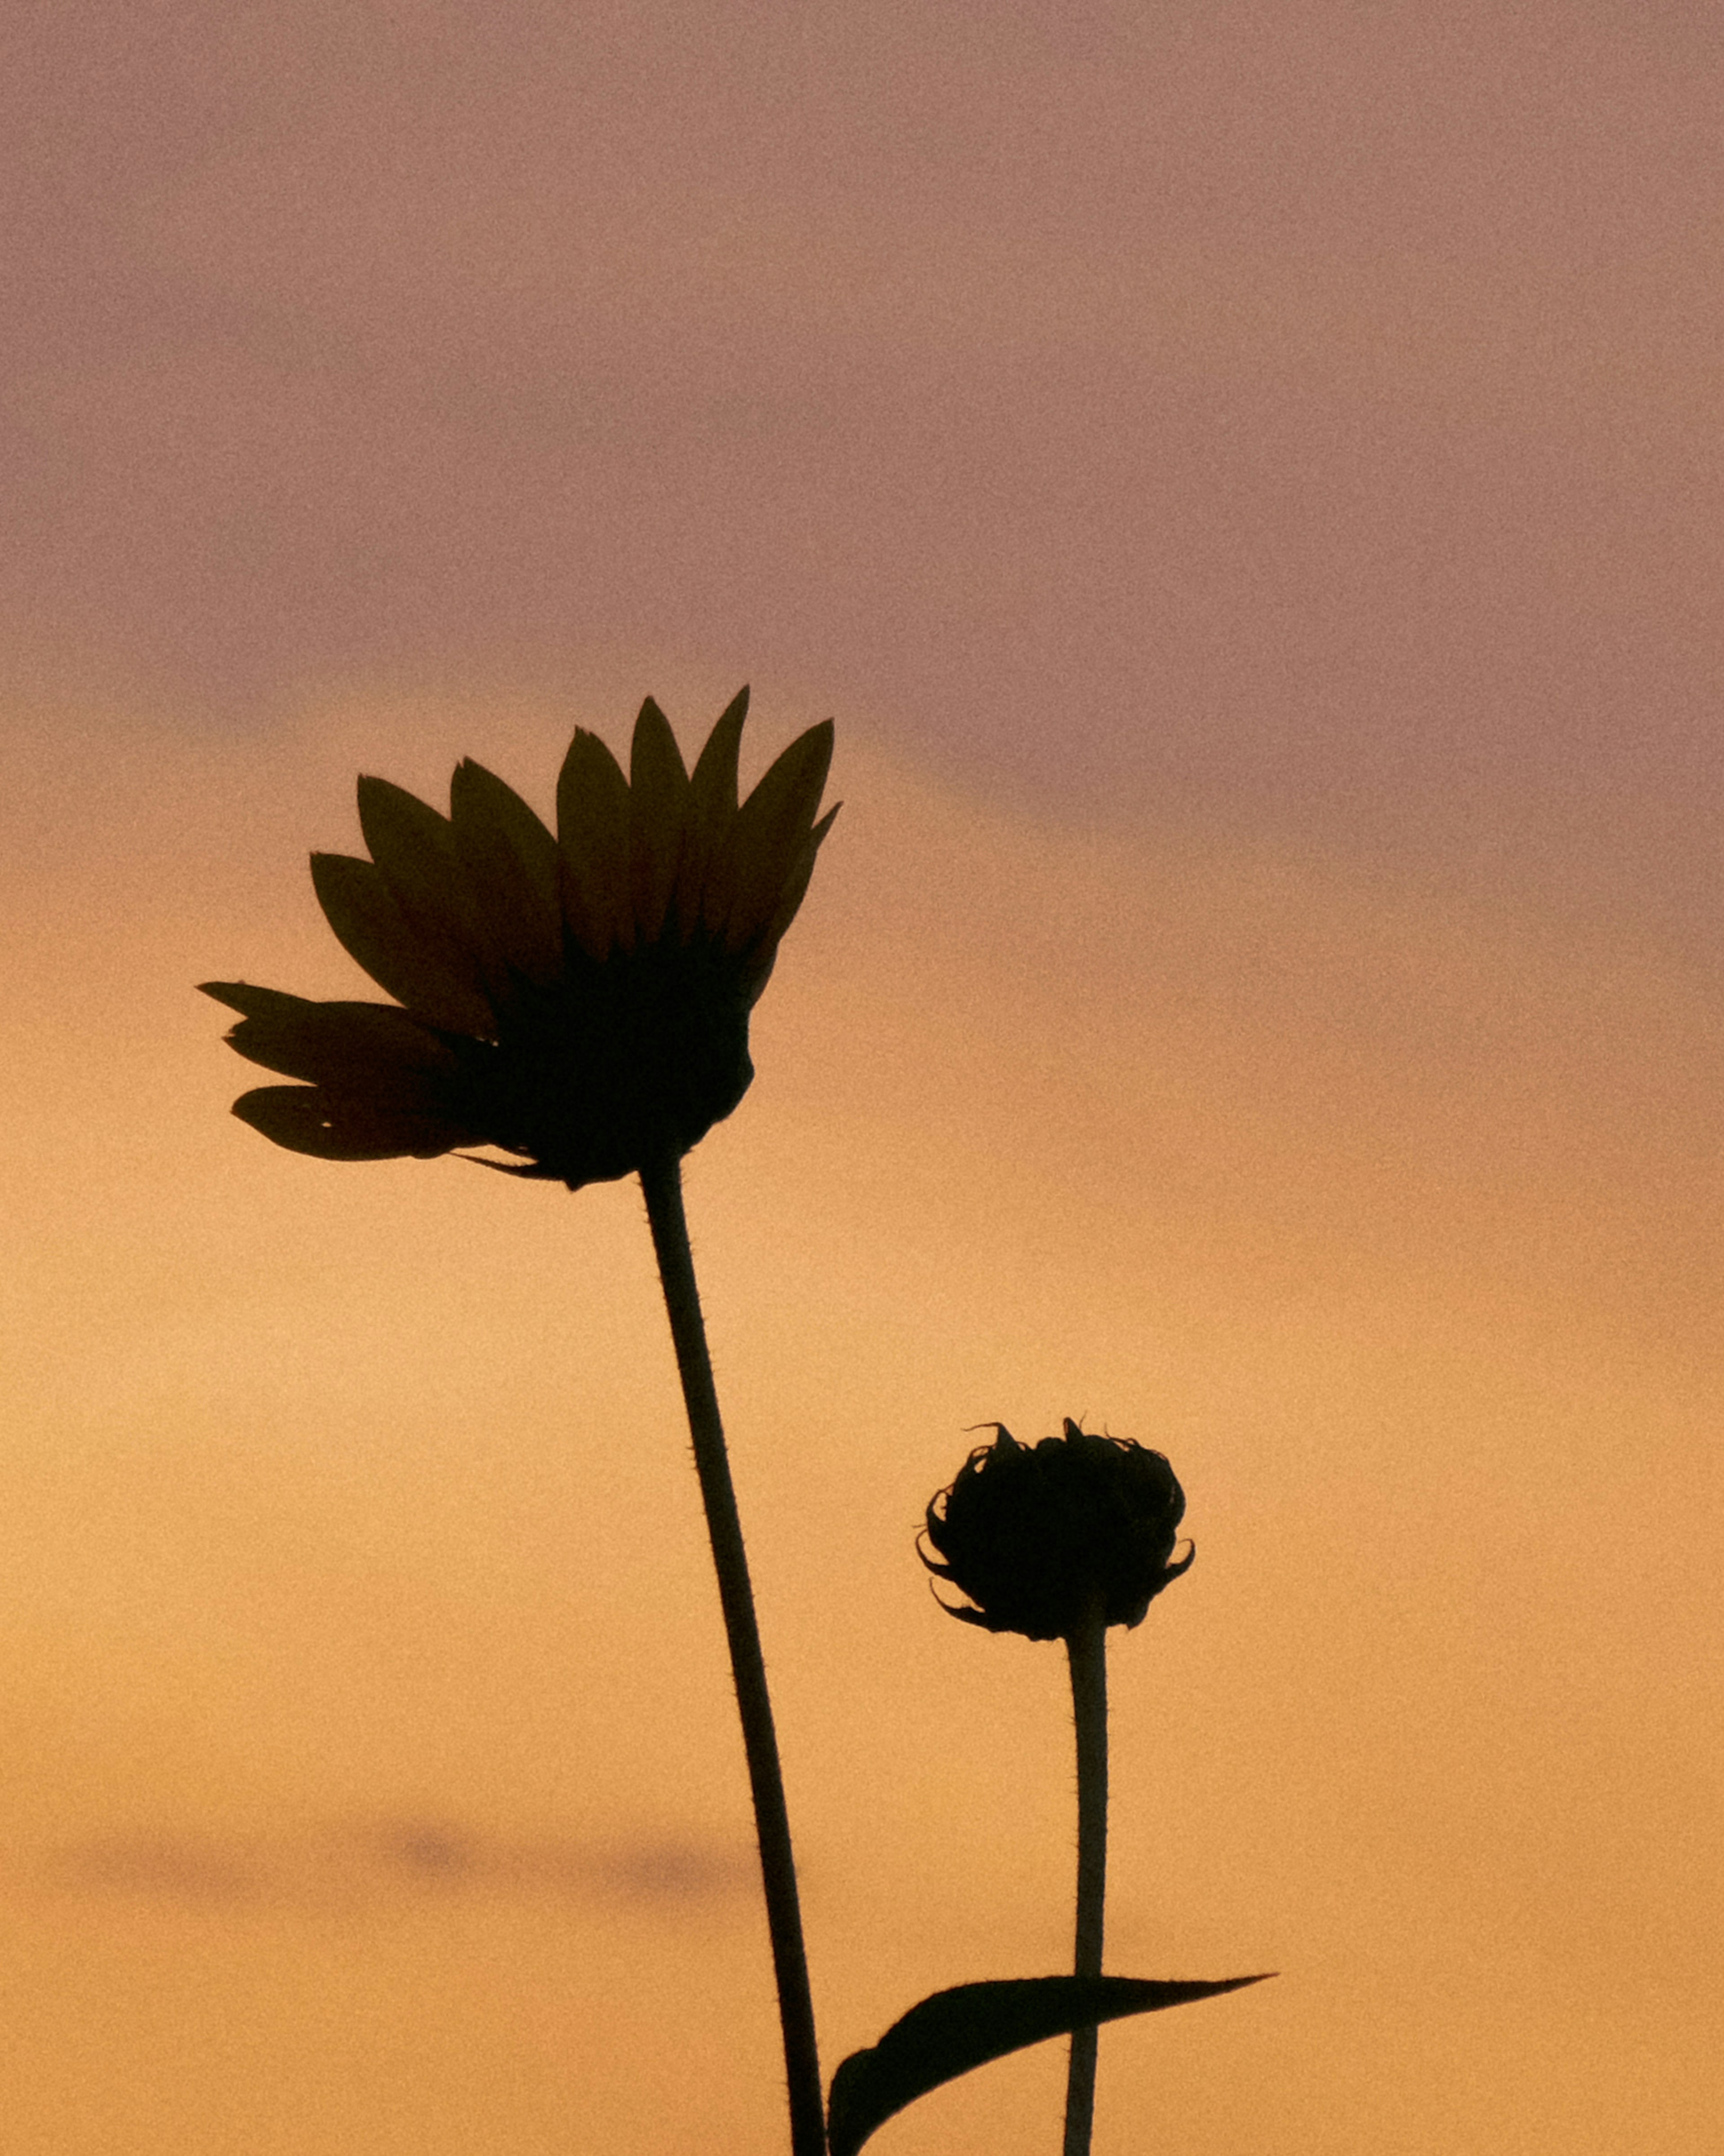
[[1087, 1649], [662, 1184]]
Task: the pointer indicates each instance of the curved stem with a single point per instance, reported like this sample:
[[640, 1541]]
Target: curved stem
[[1087, 1649], [662, 1183]]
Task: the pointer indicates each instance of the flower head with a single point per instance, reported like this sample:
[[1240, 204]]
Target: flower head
[[579, 1001], [1035, 1534]]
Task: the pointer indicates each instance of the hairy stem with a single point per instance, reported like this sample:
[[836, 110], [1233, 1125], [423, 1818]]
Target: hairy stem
[[1087, 1649], [662, 1183]]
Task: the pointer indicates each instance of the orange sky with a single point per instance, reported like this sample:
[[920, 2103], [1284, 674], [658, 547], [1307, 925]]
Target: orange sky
[[372, 1779], [1246, 487]]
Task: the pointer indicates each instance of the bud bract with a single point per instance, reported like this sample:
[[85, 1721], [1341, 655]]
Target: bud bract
[[1037, 1537]]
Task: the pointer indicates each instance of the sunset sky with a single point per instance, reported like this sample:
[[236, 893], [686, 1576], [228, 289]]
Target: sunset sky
[[1245, 482]]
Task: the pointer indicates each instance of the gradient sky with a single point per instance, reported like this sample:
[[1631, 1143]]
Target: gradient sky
[[1245, 482]]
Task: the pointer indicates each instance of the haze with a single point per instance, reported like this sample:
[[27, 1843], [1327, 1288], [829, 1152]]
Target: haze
[[1245, 484]]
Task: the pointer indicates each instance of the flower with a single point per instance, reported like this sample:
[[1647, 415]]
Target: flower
[[581, 1002], [1035, 1534]]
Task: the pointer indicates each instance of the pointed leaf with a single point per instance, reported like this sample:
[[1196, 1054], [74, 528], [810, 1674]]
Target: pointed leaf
[[593, 839], [953, 2031], [711, 811], [658, 818]]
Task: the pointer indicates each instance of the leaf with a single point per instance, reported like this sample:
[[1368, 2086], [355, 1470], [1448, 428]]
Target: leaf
[[952, 2031]]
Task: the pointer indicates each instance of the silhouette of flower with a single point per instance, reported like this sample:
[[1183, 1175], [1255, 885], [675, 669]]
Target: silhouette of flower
[[582, 1001], [1032, 1534]]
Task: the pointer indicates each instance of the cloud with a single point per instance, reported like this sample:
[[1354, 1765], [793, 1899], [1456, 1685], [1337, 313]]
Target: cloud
[[357, 1865], [1281, 421]]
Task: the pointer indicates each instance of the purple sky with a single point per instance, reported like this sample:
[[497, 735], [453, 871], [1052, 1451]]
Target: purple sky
[[1278, 443], [1299, 418]]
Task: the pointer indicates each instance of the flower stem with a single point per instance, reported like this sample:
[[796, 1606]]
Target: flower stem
[[1087, 1649], [662, 1183]]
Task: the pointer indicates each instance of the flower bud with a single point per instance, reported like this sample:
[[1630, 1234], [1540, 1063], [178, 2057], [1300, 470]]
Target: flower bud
[[1037, 1536]]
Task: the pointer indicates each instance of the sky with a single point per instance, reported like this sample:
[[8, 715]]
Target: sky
[[1244, 482]]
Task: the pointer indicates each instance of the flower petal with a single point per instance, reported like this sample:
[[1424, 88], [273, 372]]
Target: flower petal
[[712, 812], [657, 819], [715, 774], [770, 836], [362, 910], [307, 1119], [571, 1000], [357, 1046], [592, 844], [415, 848], [511, 861], [796, 887]]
